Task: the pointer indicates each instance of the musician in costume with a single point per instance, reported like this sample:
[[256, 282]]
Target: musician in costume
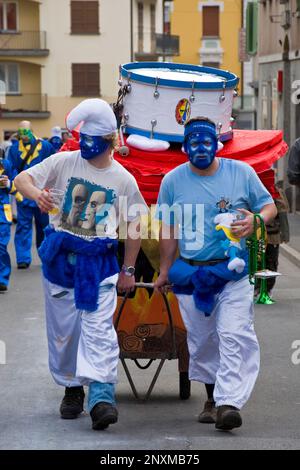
[[7, 187], [25, 153], [80, 267], [216, 303]]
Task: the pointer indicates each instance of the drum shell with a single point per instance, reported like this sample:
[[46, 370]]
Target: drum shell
[[141, 109]]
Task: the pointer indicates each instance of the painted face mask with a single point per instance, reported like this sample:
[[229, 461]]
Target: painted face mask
[[201, 149], [56, 142], [92, 146], [26, 135]]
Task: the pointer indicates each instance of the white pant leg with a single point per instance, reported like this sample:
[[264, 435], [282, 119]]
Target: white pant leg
[[98, 351], [83, 346], [238, 345], [202, 339], [63, 332]]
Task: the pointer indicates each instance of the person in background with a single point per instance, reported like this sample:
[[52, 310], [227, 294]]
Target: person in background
[[7, 187], [293, 171], [277, 233], [56, 138], [25, 153]]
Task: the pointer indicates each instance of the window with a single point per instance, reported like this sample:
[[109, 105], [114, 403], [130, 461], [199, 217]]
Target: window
[[84, 17], [210, 21], [86, 79], [9, 74], [215, 65], [251, 28], [140, 27], [152, 26], [8, 16]]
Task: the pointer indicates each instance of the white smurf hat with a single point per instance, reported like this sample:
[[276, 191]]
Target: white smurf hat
[[56, 131], [97, 116]]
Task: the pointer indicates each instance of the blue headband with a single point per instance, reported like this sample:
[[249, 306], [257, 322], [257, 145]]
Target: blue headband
[[200, 126]]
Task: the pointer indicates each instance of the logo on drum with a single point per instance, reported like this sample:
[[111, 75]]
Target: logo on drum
[[183, 111]]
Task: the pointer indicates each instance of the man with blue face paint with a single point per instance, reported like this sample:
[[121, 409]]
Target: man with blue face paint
[[224, 352], [200, 143], [80, 269]]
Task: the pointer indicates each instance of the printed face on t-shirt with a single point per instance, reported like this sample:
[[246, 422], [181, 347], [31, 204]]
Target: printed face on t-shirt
[[86, 207]]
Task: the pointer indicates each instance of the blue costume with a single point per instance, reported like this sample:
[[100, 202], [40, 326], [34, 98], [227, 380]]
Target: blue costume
[[5, 221], [28, 209], [210, 277]]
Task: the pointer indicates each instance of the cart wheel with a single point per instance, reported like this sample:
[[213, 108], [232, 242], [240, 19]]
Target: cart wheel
[[184, 386]]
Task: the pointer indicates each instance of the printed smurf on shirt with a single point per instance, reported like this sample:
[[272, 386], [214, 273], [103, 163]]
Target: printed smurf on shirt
[[87, 208]]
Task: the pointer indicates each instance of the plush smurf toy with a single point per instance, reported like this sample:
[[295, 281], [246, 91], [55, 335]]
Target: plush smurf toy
[[230, 243]]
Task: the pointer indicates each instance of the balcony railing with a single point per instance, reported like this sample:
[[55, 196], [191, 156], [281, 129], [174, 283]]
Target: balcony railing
[[155, 45], [31, 41], [167, 44], [28, 103]]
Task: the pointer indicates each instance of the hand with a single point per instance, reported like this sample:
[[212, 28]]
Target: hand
[[162, 284], [4, 181], [44, 201], [126, 284], [245, 227]]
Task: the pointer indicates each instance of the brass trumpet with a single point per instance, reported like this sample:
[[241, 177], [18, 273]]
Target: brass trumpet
[[257, 245]]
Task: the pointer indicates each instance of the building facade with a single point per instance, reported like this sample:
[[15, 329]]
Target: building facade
[[278, 73], [55, 53], [205, 35]]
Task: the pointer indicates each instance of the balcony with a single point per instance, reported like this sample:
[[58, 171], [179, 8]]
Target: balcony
[[23, 43], [25, 106], [152, 46], [167, 44]]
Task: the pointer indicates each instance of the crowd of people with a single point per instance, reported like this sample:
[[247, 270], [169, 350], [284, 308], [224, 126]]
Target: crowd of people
[[22, 151]]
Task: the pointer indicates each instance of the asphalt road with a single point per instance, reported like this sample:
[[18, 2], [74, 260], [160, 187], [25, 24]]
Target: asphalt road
[[29, 403]]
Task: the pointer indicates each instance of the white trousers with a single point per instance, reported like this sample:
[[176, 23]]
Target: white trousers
[[83, 346], [223, 347]]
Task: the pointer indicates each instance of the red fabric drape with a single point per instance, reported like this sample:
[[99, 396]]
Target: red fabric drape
[[260, 149]]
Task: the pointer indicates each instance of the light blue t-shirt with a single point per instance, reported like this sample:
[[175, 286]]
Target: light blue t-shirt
[[196, 200]]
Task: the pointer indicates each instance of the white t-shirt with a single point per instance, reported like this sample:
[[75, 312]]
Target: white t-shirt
[[95, 200]]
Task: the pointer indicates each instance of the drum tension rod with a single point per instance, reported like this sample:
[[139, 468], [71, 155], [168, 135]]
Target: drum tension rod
[[128, 86], [192, 97], [153, 124], [223, 97], [156, 92]]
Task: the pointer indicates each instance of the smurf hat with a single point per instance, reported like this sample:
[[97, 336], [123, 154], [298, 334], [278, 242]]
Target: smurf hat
[[200, 124], [56, 132], [96, 115]]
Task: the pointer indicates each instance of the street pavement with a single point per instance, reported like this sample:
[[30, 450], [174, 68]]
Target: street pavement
[[29, 417]]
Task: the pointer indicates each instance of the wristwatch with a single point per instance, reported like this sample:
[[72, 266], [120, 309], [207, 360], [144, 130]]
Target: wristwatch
[[128, 270]]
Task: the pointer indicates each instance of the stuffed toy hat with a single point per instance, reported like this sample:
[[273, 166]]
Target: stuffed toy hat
[[96, 115]]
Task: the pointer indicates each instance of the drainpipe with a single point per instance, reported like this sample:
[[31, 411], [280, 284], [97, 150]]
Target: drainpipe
[[131, 30]]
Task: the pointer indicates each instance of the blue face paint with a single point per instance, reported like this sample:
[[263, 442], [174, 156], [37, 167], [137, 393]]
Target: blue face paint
[[56, 143], [201, 148], [92, 146]]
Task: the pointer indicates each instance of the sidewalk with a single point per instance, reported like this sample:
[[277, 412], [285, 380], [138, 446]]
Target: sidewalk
[[291, 250]]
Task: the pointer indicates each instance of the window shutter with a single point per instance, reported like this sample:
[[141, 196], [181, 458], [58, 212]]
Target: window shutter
[[84, 17], [210, 21], [86, 79], [251, 28]]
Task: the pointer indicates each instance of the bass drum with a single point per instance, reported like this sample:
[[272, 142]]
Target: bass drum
[[158, 98]]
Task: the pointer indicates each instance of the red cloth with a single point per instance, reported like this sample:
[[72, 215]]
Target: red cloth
[[260, 149]]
